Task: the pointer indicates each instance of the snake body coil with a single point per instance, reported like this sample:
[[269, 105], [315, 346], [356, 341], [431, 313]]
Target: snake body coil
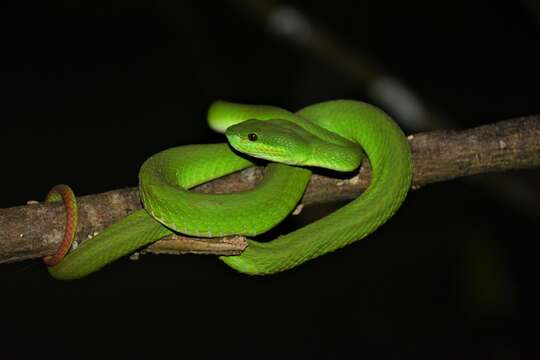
[[330, 134]]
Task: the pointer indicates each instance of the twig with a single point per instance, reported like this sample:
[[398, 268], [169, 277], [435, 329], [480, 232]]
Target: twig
[[35, 230]]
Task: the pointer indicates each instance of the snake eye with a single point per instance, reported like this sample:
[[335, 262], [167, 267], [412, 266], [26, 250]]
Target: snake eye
[[252, 137]]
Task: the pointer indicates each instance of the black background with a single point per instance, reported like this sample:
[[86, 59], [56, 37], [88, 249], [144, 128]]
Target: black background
[[452, 274]]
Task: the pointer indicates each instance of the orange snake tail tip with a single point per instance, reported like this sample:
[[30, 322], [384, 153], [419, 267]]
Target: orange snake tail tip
[[65, 194]]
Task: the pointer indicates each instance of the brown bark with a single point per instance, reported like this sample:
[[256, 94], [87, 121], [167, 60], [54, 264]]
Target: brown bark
[[35, 230]]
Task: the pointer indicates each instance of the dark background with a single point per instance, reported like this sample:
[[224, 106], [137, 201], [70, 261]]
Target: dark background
[[453, 274]]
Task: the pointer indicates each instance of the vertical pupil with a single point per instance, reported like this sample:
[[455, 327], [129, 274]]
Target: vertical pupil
[[252, 137]]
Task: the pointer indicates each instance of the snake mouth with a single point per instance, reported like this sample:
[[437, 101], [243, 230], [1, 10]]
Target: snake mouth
[[259, 150]]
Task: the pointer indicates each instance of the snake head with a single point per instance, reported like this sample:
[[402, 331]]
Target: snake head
[[275, 140]]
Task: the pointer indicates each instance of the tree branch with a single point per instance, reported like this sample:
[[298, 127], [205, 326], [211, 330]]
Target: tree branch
[[36, 229]]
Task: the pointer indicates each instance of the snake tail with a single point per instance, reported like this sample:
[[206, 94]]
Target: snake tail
[[64, 193]]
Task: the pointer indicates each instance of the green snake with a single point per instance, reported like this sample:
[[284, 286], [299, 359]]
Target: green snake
[[332, 134]]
